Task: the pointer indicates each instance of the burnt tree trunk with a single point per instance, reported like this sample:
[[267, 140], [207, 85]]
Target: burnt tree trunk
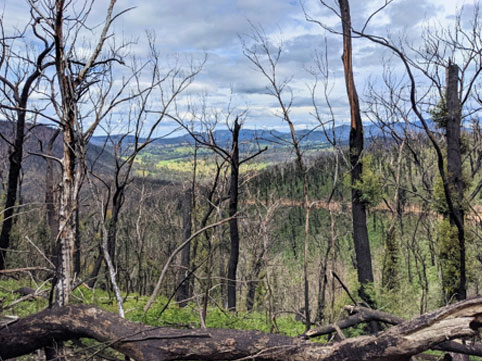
[[95, 272], [360, 232], [233, 223], [254, 281], [142, 342], [77, 241], [183, 292], [454, 173], [70, 180], [15, 158], [232, 157], [117, 202]]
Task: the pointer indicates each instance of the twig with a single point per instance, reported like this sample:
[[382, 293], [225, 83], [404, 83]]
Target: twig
[[25, 269], [344, 287]]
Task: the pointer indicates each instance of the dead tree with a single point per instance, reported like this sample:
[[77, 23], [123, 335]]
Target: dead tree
[[231, 154], [183, 292], [360, 231], [141, 342], [438, 50], [262, 242], [18, 80], [457, 184], [73, 79], [266, 62], [165, 87]]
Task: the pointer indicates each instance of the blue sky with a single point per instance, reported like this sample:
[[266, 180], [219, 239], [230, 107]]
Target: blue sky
[[193, 28]]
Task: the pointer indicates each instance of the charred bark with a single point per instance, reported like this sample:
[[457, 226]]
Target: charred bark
[[360, 232], [142, 342], [360, 314], [15, 160], [454, 174], [15, 157], [230, 155], [117, 203], [183, 292], [233, 223]]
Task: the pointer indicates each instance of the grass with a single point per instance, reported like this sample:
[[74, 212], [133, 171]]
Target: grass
[[158, 315]]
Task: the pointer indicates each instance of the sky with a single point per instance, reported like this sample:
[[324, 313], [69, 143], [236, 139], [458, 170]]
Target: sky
[[192, 29]]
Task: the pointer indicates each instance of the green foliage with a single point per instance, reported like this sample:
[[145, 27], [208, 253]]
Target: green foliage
[[158, 314], [439, 113], [439, 199], [390, 270], [371, 184], [22, 309], [449, 259], [175, 316]]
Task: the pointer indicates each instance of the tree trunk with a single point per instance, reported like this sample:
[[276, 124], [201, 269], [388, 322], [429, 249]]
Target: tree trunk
[[154, 343], [183, 292], [117, 201], [15, 159], [360, 232], [70, 173], [233, 223], [16, 156], [67, 224], [95, 272], [254, 280], [77, 244], [454, 177], [52, 218]]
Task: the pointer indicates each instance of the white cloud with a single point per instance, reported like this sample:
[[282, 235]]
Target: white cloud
[[192, 28]]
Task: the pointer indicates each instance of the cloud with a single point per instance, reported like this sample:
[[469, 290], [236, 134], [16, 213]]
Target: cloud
[[207, 25], [188, 28], [408, 14]]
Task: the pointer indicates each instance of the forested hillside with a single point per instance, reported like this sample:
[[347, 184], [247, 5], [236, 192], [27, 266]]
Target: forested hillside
[[356, 239]]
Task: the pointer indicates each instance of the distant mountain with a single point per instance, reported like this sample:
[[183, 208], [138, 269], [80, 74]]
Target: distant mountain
[[222, 137], [263, 137], [36, 142]]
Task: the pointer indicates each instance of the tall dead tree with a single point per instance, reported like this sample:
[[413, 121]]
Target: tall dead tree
[[266, 60], [433, 58], [231, 154], [72, 83], [183, 292], [18, 79], [360, 231], [232, 212], [456, 185]]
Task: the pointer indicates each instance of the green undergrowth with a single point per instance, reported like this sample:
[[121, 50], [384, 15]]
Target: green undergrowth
[[158, 314]]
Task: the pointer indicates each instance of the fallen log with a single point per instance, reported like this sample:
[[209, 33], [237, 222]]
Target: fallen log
[[360, 314], [142, 342]]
